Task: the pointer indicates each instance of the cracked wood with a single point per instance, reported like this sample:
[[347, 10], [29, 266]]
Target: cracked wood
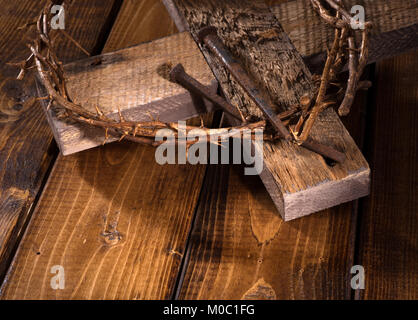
[[298, 181]]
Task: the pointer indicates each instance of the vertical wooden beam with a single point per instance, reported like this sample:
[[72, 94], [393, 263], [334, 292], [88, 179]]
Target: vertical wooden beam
[[298, 181]]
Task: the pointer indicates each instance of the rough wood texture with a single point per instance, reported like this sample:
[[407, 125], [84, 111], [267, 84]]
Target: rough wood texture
[[239, 248], [129, 79], [395, 27], [389, 225], [311, 35], [93, 197], [25, 138], [298, 181], [393, 33], [153, 23]]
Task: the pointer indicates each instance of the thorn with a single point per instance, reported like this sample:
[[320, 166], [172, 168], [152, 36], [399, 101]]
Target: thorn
[[123, 136], [29, 24], [151, 116], [77, 44], [122, 119], [326, 104], [106, 136], [99, 112]]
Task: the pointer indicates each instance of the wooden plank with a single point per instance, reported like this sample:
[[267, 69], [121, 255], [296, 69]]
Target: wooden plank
[[25, 140], [388, 229], [299, 181], [145, 12], [239, 248], [298, 21], [112, 217], [395, 27], [311, 35], [129, 79]]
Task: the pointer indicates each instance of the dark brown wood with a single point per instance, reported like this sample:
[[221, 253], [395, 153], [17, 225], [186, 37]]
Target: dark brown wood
[[299, 181], [240, 249], [26, 152], [394, 27], [130, 80], [297, 18], [388, 235], [112, 217]]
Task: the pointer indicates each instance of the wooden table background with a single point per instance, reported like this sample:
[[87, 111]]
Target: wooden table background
[[124, 227]]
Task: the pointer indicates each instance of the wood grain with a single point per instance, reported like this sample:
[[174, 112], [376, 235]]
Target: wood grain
[[299, 181], [129, 79], [393, 34], [153, 23], [25, 139], [388, 234], [113, 218], [311, 35], [395, 27], [240, 249]]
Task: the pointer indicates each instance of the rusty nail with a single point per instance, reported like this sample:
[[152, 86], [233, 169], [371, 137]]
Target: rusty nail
[[180, 76], [323, 150], [209, 36]]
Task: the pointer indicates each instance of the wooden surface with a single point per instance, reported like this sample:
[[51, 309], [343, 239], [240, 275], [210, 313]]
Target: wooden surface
[[307, 258], [139, 90], [240, 249], [389, 227], [115, 190], [25, 140], [395, 27], [299, 181], [311, 35], [129, 79]]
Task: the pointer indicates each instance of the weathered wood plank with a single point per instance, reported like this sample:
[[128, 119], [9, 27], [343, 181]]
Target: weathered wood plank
[[112, 217], [389, 37], [148, 28], [239, 248], [299, 181], [129, 79], [389, 226], [311, 35], [395, 27], [25, 139]]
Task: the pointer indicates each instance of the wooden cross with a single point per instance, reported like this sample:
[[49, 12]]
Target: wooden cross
[[299, 181]]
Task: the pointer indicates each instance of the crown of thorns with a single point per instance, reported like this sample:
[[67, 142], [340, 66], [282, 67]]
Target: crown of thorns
[[300, 119]]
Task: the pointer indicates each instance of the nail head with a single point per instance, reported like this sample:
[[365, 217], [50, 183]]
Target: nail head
[[204, 32]]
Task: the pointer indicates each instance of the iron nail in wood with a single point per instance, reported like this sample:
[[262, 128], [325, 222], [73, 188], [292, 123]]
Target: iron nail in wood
[[323, 150], [209, 36], [180, 76]]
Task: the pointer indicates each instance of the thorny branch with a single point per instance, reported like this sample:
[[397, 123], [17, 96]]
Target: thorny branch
[[343, 45], [51, 73]]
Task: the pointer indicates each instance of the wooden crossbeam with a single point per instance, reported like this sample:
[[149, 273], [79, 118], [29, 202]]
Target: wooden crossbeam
[[297, 190], [132, 80]]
